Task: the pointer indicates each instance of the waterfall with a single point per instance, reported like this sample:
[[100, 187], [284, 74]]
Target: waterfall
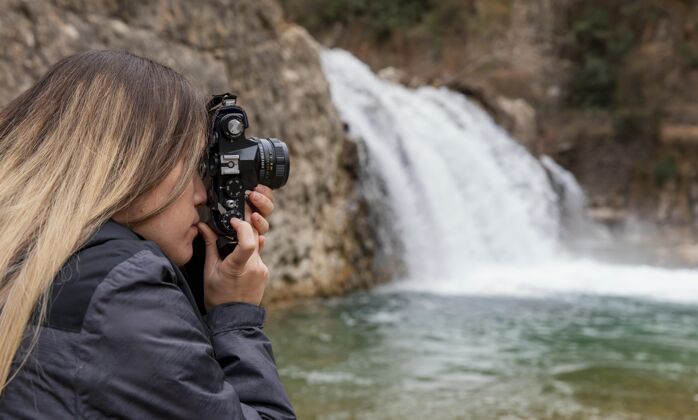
[[476, 213], [462, 189], [577, 227]]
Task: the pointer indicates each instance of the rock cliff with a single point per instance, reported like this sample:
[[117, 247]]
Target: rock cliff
[[244, 46]]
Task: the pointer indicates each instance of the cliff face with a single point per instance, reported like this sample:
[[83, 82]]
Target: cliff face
[[242, 46]]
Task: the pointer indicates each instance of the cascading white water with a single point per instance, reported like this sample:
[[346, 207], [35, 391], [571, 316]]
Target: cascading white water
[[462, 190], [572, 204], [572, 197], [475, 211]]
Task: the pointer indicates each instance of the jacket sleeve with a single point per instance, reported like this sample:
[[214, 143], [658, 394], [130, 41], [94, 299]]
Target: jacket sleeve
[[145, 353]]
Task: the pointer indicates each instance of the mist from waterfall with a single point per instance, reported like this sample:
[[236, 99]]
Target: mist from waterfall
[[475, 212]]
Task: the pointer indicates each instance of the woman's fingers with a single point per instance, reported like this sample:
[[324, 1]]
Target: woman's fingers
[[248, 213], [263, 189], [248, 243], [263, 200], [210, 237], [256, 220], [260, 223]]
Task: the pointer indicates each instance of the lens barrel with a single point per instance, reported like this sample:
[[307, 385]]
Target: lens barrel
[[274, 162]]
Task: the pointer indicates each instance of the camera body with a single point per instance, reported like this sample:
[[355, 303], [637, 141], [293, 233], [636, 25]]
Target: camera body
[[234, 163]]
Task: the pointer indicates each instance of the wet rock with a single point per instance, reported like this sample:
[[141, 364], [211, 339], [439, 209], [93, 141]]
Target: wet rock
[[523, 125]]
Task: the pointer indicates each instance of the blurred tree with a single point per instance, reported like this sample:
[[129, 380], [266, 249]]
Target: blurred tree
[[385, 19], [596, 36]]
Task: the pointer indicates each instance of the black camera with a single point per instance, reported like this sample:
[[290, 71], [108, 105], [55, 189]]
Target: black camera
[[234, 163]]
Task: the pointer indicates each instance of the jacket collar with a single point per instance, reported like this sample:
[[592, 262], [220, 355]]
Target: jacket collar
[[111, 229]]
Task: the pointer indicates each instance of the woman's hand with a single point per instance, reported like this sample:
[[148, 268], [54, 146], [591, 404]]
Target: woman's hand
[[263, 201], [242, 276]]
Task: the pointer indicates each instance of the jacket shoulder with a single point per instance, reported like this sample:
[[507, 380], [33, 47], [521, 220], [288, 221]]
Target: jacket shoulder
[[75, 284]]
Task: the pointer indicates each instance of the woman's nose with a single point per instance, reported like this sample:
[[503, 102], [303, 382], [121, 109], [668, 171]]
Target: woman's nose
[[199, 191]]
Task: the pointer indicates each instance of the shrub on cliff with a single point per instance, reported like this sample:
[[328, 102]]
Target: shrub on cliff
[[596, 36]]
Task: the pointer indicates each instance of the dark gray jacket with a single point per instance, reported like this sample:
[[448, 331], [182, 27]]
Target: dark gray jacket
[[124, 339]]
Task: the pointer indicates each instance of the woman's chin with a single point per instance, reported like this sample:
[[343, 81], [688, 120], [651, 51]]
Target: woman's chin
[[184, 254]]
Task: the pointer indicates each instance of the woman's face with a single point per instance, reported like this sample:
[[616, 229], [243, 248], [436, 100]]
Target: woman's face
[[175, 228]]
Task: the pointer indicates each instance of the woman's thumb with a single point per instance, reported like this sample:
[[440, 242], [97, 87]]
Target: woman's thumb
[[210, 238]]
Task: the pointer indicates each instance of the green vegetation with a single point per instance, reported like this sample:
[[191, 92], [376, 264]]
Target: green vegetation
[[597, 36], [688, 54], [383, 20], [633, 124], [380, 18], [665, 169]]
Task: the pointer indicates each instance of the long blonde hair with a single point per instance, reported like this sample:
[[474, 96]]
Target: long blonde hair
[[98, 130]]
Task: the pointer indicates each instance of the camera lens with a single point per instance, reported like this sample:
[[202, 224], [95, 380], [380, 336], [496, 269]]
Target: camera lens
[[274, 162]]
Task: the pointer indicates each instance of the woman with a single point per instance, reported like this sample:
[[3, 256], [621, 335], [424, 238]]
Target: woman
[[98, 198]]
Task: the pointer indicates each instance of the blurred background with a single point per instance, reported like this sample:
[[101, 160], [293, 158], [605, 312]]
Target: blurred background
[[493, 204]]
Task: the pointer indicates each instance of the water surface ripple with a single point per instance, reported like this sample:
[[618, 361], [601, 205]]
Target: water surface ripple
[[410, 355]]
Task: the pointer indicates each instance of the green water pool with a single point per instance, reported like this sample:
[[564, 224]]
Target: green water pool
[[405, 355]]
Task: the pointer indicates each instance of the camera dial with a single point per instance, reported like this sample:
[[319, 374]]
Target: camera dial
[[235, 127]]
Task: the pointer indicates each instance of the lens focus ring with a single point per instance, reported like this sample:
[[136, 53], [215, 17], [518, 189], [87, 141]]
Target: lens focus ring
[[273, 163]]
